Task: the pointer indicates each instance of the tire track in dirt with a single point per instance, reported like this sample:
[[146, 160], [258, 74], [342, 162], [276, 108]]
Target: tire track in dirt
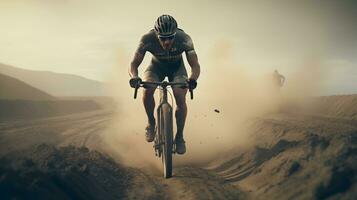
[[192, 183], [60, 131], [203, 184], [79, 135]]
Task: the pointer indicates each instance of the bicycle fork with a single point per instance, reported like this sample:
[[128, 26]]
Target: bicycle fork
[[158, 143]]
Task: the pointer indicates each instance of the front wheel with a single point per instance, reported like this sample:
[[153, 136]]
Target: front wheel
[[167, 139]]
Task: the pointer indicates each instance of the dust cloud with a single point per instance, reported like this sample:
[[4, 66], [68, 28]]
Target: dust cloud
[[228, 95], [125, 136]]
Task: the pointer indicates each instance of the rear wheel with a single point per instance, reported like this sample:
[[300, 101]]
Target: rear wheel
[[167, 139]]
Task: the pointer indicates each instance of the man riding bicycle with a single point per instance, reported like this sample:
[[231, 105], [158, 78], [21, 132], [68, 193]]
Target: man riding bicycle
[[166, 43], [278, 79]]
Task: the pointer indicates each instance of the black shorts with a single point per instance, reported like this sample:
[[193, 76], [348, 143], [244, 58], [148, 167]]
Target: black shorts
[[157, 73]]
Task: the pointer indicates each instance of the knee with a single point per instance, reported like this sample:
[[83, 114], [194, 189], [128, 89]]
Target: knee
[[180, 97]]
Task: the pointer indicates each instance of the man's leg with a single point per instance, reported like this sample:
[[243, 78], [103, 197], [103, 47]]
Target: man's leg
[[180, 76], [149, 104], [181, 109], [180, 114]]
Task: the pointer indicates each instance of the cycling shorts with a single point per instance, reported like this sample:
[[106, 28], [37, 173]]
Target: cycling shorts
[[157, 73]]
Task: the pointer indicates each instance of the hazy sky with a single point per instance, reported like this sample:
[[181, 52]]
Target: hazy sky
[[88, 37]]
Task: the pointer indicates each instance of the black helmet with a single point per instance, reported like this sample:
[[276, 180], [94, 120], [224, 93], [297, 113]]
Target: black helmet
[[165, 25]]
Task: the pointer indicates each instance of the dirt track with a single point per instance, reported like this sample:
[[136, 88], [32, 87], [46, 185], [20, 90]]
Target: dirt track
[[86, 130], [294, 156], [78, 130], [188, 183]]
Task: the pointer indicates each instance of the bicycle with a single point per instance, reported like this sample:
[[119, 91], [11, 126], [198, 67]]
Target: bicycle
[[163, 144]]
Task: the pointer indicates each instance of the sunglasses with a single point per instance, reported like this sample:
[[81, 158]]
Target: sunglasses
[[164, 38]]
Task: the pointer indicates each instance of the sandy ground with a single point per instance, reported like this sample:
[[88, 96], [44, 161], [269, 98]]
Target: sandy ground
[[84, 131], [295, 157], [292, 156]]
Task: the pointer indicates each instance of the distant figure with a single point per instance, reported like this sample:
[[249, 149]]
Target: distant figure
[[278, 79]]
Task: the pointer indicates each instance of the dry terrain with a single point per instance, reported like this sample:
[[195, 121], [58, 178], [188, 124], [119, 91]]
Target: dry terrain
[[294, 155]]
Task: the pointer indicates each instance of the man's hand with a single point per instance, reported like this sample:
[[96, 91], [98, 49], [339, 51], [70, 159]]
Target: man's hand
[[134, 82], [192, 83]]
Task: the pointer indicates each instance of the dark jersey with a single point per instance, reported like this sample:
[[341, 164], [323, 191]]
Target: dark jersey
[[150, 42]]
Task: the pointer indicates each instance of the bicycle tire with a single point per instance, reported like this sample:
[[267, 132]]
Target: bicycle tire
[[166, 126]]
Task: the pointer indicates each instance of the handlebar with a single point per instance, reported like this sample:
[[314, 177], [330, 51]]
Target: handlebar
[[162, 84]]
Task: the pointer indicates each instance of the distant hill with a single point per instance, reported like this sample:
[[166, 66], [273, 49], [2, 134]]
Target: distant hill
[[11, 88], [29, 109], [56, 84]]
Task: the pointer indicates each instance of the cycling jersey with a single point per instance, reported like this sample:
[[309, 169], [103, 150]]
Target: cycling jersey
[[165, 62], [150, 42]]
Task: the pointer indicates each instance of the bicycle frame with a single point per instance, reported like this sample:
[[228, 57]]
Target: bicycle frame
[[164, 145]]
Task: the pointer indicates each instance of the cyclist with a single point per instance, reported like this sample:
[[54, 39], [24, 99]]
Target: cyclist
[[166, 43], [278, 79]]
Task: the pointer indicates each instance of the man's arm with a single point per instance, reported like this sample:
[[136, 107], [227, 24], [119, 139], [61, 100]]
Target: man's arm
[[195, 66], [138, 58], [134, 65]]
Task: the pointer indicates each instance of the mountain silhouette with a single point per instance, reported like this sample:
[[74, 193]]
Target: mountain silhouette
[[11, 88], [56, 84]]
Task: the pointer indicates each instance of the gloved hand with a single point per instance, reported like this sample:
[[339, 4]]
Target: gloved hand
[[192, 83], [134, 82]]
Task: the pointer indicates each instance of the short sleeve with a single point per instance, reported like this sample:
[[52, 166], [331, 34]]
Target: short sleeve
[[188, 44], [143, 46]]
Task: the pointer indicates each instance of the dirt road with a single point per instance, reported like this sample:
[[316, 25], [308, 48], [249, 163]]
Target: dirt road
[[86, 129], [292, 156], [78, 129]]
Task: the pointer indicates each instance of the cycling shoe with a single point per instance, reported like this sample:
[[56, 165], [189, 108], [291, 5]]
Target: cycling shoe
[[150, 133], [180, 145]]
